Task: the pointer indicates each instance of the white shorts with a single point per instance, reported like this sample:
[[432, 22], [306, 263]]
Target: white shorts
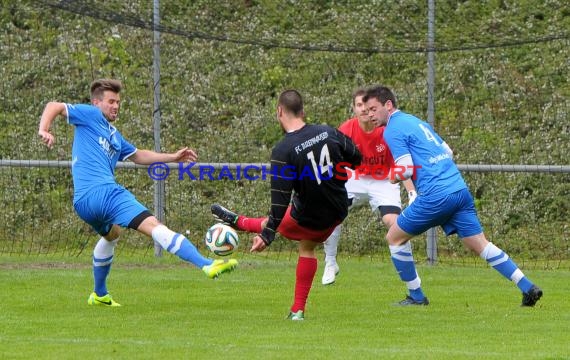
[[376, 192]]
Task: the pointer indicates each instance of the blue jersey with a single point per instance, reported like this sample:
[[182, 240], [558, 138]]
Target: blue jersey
[[97, 146], [435, 174]]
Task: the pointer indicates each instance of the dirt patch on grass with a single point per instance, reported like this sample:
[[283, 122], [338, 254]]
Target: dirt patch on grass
[[72, 266]]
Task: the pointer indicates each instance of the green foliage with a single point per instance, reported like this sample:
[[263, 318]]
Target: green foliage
[[224, 64]]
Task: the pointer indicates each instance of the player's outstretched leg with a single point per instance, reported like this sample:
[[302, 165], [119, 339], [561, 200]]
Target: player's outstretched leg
[[501, 262], [238, 222], [180, 246], [331, 267], [403, 261]]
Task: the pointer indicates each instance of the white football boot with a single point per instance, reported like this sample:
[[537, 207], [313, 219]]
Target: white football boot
[[330, 273]]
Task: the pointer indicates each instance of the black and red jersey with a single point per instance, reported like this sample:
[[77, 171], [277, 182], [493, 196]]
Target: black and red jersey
[[307, 172]]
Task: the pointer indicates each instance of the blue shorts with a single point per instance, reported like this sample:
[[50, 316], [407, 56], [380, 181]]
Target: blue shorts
[[455, 213], [106, 205]]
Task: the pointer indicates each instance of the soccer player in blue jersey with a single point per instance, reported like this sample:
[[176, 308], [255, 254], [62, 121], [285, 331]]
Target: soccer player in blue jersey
[[99, 200], [443, 198]]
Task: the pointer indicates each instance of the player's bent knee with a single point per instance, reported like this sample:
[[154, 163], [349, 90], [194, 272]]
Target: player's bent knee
[[397, 236], [144, 223], [113, 233]]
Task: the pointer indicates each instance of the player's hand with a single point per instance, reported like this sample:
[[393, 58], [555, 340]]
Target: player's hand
[[47, 138], [186, 155], [412, 195], [258, 244]]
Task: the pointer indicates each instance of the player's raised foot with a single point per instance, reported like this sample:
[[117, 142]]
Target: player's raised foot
[[410, 301], [532, 296], [296, 316], [330, 273], [219, 267], [105, 300], [224, 215]]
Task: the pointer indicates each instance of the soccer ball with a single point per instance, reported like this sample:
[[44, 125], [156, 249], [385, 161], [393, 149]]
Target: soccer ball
[[221, 239]]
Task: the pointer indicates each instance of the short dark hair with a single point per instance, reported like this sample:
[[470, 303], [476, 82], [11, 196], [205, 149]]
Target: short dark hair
[[361, 91], [292, 102], [382, 94], [98, 87]]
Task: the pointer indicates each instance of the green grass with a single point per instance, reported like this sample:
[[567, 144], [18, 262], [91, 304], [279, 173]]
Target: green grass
[[172, 311]]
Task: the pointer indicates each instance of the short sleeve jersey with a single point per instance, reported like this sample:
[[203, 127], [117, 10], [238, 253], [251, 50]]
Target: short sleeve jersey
[[436, 173], [376, 156], [97, 146]]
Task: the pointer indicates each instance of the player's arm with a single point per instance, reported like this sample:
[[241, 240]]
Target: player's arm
[[281, 190], [147, 157], [51, 111], [350, 152], [403, 168], [410, 190]]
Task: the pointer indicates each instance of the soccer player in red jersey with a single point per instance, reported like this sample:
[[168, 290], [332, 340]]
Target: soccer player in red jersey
[[370, 182]]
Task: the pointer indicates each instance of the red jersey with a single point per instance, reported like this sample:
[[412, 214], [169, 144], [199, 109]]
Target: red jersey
[[376, 156]]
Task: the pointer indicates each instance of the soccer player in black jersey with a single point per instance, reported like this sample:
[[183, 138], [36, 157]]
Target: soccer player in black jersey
[[308, 197]]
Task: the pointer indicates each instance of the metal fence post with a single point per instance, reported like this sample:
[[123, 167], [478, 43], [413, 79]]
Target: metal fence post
[[159, 188], [431, 233]]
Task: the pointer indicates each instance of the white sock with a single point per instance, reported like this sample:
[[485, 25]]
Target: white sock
[[165, 237], [490, 251], [104, 249], [331, 246]]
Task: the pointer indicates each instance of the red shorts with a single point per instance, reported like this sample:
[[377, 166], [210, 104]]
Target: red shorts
[[290, 229]]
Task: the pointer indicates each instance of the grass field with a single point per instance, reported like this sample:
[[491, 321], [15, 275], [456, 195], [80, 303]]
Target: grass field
[[172, 311]]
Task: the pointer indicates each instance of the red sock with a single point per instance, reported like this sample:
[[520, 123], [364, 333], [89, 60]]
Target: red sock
[[249, 224], [306, 270]]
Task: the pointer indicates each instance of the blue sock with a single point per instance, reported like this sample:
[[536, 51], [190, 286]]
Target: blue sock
[[501, 262], [188, 252], [178, 245], [524, 284], [102, 261], [100, 273], [417, 294], [403, 261]]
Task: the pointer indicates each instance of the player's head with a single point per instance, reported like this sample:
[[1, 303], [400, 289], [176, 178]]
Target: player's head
[[289, 106], [105, 96], [291, 102], [380, 102], [358, 107]]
